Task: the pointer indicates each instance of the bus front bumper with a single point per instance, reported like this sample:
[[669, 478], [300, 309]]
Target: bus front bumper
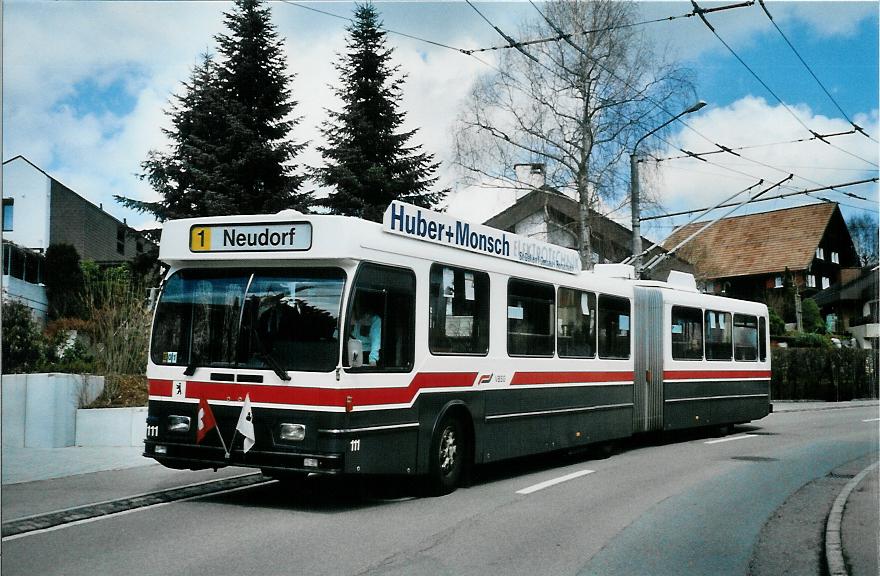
[[196, 457]]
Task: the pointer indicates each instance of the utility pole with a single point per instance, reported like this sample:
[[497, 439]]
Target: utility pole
[[634, 188]]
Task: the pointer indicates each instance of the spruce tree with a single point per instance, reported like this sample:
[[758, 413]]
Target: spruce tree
[[367, 161], [258, 151], [231, 149]]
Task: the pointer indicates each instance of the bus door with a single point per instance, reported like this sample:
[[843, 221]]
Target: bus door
[[648, 360]]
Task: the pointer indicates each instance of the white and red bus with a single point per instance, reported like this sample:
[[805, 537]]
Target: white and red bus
[[425, 344]]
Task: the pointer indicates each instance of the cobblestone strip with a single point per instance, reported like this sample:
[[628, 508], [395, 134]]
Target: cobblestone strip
[[51, 519], [833, 549]]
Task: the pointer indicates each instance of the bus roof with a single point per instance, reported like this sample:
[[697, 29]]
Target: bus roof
[[408, 231]]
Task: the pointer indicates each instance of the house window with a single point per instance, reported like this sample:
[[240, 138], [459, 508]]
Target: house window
[[811, 281], [835, 257], [826, 282], [120, 239], [777, 282], [8, 207], [140, 246], [820, 253]]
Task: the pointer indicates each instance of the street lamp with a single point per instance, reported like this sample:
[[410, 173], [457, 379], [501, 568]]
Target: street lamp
[[634, 188]]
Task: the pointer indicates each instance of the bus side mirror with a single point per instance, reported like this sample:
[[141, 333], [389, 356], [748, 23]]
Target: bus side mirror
[[355, 353]]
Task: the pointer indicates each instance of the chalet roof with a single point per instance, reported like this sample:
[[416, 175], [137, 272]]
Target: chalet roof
[[763, 243]]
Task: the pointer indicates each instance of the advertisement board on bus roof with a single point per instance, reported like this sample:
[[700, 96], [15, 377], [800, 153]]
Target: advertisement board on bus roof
[[422, 224]]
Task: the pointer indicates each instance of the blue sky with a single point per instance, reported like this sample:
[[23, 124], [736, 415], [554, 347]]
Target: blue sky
[[86, 83]]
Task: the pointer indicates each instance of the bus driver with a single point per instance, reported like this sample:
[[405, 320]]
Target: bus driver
[[367, 328]]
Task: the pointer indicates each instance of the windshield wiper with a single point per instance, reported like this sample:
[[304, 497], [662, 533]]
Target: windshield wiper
[[275, 365], [267, 357], [190, 369]]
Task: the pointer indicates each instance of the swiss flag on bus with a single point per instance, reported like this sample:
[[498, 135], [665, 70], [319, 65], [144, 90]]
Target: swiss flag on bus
[[205, 420]]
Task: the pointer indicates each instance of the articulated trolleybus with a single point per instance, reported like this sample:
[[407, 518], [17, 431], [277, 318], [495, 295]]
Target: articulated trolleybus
[[325, 344]]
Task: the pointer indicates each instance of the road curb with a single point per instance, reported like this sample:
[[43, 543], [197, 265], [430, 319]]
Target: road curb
[[833, 549], [109, 507]]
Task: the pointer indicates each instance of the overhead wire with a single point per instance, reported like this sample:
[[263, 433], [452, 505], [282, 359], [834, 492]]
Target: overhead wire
[[567, 37], [585, 32], [701, 12], [813, 74], [775, 197], [560, 35], [731, 150]]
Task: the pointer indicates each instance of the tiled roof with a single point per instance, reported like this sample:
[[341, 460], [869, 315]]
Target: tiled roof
[[763, 243]]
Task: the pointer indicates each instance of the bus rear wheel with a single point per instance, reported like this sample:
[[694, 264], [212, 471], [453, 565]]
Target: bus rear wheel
[[447, 456]]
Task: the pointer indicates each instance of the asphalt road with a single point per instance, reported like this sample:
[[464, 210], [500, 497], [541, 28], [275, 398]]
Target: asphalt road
[[687, 505]]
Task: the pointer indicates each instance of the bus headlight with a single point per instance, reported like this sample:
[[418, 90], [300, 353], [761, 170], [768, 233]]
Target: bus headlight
[[292, 432], [178, 423]]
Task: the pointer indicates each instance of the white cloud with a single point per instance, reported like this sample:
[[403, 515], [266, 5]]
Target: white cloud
[[749, 27], [826, 19]]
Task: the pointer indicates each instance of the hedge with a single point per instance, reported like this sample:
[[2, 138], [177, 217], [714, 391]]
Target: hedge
[[831, 375]]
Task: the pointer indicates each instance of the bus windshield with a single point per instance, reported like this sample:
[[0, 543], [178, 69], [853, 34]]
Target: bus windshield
[[284, 320]]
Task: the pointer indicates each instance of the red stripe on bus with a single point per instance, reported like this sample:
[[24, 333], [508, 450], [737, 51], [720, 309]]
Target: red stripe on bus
[[160, 388], [714, 374], [526, 378], [278, 394]]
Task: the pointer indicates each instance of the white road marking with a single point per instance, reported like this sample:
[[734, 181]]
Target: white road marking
[[871, 420], [554, 481], [731, 439]]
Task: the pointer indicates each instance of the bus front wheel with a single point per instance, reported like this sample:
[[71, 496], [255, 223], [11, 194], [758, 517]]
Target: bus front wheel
[[447, 457]]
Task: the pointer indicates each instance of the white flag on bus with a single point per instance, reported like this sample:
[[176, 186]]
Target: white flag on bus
[[246, 423]]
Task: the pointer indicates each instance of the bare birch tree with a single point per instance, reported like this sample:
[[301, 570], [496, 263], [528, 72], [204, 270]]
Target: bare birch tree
[[576, 104]]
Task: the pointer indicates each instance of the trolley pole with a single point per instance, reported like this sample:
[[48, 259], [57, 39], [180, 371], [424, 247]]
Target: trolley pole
[[634, 188]]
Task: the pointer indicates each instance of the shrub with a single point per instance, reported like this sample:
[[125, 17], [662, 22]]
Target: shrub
[[777, 324], [831, 374], [811, 341], [24, 347], [119, 321], [811, 318]]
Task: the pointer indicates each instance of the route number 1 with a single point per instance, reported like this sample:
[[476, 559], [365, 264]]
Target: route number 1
[[200, 239]]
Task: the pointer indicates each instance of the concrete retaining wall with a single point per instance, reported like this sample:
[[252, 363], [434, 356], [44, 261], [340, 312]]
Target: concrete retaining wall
[[111, 426], [39, 410]]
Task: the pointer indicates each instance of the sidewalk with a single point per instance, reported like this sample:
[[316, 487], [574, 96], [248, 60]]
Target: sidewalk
[[860, 527], [31, 464], [801, 405]]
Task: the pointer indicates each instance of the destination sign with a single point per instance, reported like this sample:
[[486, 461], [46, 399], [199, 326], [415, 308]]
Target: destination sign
[[423, 224], [284, 236]]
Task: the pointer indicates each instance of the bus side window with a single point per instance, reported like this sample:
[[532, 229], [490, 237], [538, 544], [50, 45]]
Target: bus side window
[[576, 318], [614, 327], [719, 332], [762, 339], [458, 311], [687, 333], [381, 317], [530, 309], [745, 337]]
